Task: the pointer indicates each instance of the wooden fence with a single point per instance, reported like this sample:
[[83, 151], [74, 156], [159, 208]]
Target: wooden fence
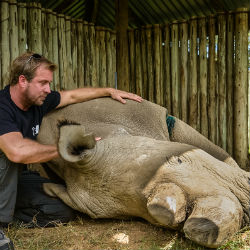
[[85, 54], [196, 68]]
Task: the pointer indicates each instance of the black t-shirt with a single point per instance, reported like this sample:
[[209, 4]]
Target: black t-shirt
[[13, 119]]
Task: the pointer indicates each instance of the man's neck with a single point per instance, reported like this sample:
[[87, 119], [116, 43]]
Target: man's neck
[[17, 98]]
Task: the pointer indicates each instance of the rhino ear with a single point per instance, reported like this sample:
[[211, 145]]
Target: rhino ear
[[73, 142]]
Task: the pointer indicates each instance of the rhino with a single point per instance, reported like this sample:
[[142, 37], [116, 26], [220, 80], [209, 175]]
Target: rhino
[[148, 164]]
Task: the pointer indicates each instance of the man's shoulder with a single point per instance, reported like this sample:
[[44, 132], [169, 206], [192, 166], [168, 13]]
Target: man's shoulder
[[6, 105], [4, 98]]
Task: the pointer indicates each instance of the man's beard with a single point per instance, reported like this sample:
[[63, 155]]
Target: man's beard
[[31, 101]]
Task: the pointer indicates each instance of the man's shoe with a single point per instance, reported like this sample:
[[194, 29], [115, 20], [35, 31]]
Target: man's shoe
[[5, 243]]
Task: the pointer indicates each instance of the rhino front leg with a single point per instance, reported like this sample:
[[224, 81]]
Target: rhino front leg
[[183, 133], [57, 190], [213, 220], [167, 205]]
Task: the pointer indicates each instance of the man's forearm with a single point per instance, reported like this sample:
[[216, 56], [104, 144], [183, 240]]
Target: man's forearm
[[82, 95], [86, 94], [33, 152]]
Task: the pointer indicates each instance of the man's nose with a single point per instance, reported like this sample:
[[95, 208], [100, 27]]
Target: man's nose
[[47, 88]]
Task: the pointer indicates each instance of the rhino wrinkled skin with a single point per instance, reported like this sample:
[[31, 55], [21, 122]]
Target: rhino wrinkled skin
[[180, 181]]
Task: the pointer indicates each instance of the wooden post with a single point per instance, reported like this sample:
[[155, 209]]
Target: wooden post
[[80, 57], [212, 83], [5, 43], [45, 33], [35, 24], [14, 52], [131, 41], [184, 70], [92, 55], [97, 55], [48, 32], [86, 53], [62, 51], [203, 75], [175, 70], [144, 64], [113, 52], [74, 52], [70, 84], [157, 64], [222, 90], [241, 89], [102, 59], [122, 44], [22, 27], [150, 71], [230, 82], [55, 54], [109, 60], [138, 63], [167, 68], [193, 98]]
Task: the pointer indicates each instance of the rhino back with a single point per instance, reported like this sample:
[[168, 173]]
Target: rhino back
[[107, 118]]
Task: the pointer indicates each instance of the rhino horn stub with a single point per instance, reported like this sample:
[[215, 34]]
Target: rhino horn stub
[[73, 141]]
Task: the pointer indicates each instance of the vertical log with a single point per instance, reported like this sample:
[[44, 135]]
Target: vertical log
[[167, 68], [92, 56], [138, 67], [193, 98], [144, 64], [45, 33], [80, 57], [5, 43], [74, 52], [241, 89], [14, 52], [203, 75], [113, 50], [222, 90], [230, 82], [184, 70], [49, 29], [122, 44], [175, 70], [70, 84], [97, 55], [102, 59], [157, 64], [150, 71], [62, 51], [86, 53], [109, 60], [131, 41], [34, 31], [22, 27], [212, 83], [55, 49]]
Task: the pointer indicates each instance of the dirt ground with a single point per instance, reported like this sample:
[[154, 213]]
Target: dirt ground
[[85, 233]]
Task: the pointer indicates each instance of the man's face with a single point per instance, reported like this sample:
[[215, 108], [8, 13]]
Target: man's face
[[39, 87]]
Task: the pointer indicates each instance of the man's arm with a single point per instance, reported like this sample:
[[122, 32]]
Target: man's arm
[[22, 150], [86, 94]]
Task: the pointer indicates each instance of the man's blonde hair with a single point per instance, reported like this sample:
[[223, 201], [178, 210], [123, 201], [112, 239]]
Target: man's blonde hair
[[26, 65]]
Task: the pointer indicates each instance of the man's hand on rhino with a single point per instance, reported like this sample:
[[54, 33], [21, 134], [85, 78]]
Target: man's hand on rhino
[[120, 96], [98, 138]]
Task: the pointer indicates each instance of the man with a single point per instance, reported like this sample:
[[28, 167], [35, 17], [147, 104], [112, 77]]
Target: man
[[23, 104]]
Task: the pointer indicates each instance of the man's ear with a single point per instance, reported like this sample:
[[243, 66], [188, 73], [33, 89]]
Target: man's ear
[[22, 81]]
